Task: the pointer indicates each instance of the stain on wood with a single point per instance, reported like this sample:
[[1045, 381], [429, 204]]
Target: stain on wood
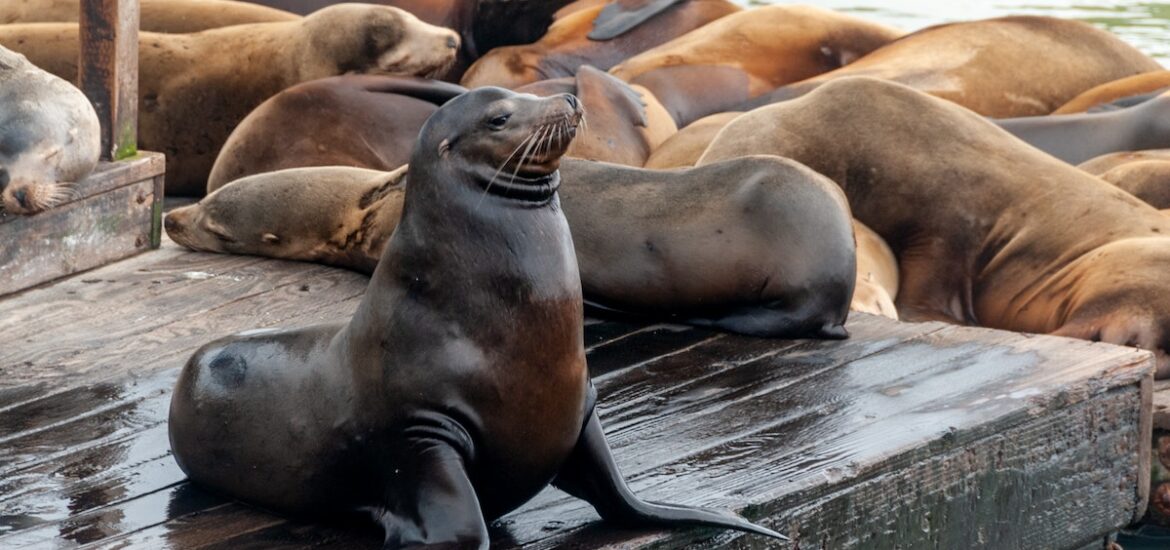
[[903, 436]]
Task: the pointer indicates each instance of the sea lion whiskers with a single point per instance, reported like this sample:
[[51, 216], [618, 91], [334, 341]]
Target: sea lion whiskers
[[488, 187]]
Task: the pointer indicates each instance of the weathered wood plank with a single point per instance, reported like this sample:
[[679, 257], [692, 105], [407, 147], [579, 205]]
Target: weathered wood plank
[[109, 71]]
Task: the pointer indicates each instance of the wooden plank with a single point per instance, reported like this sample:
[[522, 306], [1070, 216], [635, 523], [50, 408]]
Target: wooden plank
[[109, 71]]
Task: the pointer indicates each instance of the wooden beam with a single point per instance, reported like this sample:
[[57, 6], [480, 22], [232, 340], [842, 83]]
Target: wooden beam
[[109, 71]]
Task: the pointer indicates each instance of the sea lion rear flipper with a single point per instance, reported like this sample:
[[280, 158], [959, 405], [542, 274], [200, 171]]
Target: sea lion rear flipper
[[617, 18], [590, 474], [431, 502]]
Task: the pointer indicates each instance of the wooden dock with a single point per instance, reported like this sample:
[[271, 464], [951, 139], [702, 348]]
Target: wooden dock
[[903, 436]]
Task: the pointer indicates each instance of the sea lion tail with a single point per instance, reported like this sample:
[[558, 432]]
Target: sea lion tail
[[591, 474]]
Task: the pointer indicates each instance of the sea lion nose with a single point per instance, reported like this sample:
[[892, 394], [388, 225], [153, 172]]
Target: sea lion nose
[[4, 178], [574, 103], [21, 197], [453, 42], [170, 224]]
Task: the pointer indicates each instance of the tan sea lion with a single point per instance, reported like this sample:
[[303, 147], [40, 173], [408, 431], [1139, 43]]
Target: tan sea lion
[[1077, 138], [987, 230], [195, 88], [369, 121], [991, 66], [169, 16], [459, 388], [684, 148], [759, 246], [1143, 174], [49, 136], [1109, 92], [565, 46], [764, 48], [877, 274]]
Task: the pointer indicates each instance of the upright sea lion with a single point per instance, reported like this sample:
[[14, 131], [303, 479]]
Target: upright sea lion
[[987, 230], [757, 245], [990, 66], [195, 88], [753, 51], [877, 274], [1077, 138], [565, 46], [684, 148], [49, 136], [353, 120], [171, 16], [1143, 174], [1154, 82], [429, 409]]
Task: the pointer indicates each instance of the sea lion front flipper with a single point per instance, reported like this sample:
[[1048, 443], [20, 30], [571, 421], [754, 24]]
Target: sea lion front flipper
[[590, 474], [431, 502], [617, 18]]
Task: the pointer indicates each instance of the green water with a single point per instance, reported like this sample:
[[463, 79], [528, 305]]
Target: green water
[[1143, 24]]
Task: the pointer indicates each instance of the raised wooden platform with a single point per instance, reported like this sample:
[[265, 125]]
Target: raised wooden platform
[[114, 213], [904, 436]]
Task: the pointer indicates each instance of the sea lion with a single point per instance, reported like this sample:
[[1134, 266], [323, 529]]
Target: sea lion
[[625, 123], [1077, 138], [372, 121], [1141, 85], [745, 54], [1143, 174], [353, 120], [757, 245], [684, 148], [195, 88], [877, 274], [421, 410], [49, 136], [169, 16], [990, 67], [565, 46], [987, 230]]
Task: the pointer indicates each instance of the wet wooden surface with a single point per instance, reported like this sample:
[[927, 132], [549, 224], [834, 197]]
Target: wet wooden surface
[[905, 435]]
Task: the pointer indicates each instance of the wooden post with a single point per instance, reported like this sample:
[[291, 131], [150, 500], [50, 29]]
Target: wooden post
[[109, 71]]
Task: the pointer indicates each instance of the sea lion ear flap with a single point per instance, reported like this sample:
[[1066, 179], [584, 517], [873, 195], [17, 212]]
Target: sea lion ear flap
[[597, 87], [621, 16], [270, 238]]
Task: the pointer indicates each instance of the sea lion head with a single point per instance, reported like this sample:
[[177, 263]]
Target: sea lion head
[[502, 143], [365, 38]]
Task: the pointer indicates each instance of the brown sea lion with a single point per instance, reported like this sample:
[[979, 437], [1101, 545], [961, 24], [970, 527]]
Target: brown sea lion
[[195, 88], [1077, 138], [170, 16], [684, 148], [745, 54], [1109, 92], [987, 230], [759, 245], [371, 122], [353, 120], [420, 410], [990, 66], [49, 136], [1143, 174], [565, 46], [877, 274]]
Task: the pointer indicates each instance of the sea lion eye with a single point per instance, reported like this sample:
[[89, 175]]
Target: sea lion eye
[[498, 122]]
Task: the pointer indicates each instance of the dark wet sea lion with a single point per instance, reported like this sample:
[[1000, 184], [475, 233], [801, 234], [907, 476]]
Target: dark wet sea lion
[[459, 389], [990, 66], [757, 245], [1154, 82], [170, 16], [987, 230], [49, 136], [195, 88], [1077, 138], [1143, 174], [565, 46], [353, 120], [745, 54]]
